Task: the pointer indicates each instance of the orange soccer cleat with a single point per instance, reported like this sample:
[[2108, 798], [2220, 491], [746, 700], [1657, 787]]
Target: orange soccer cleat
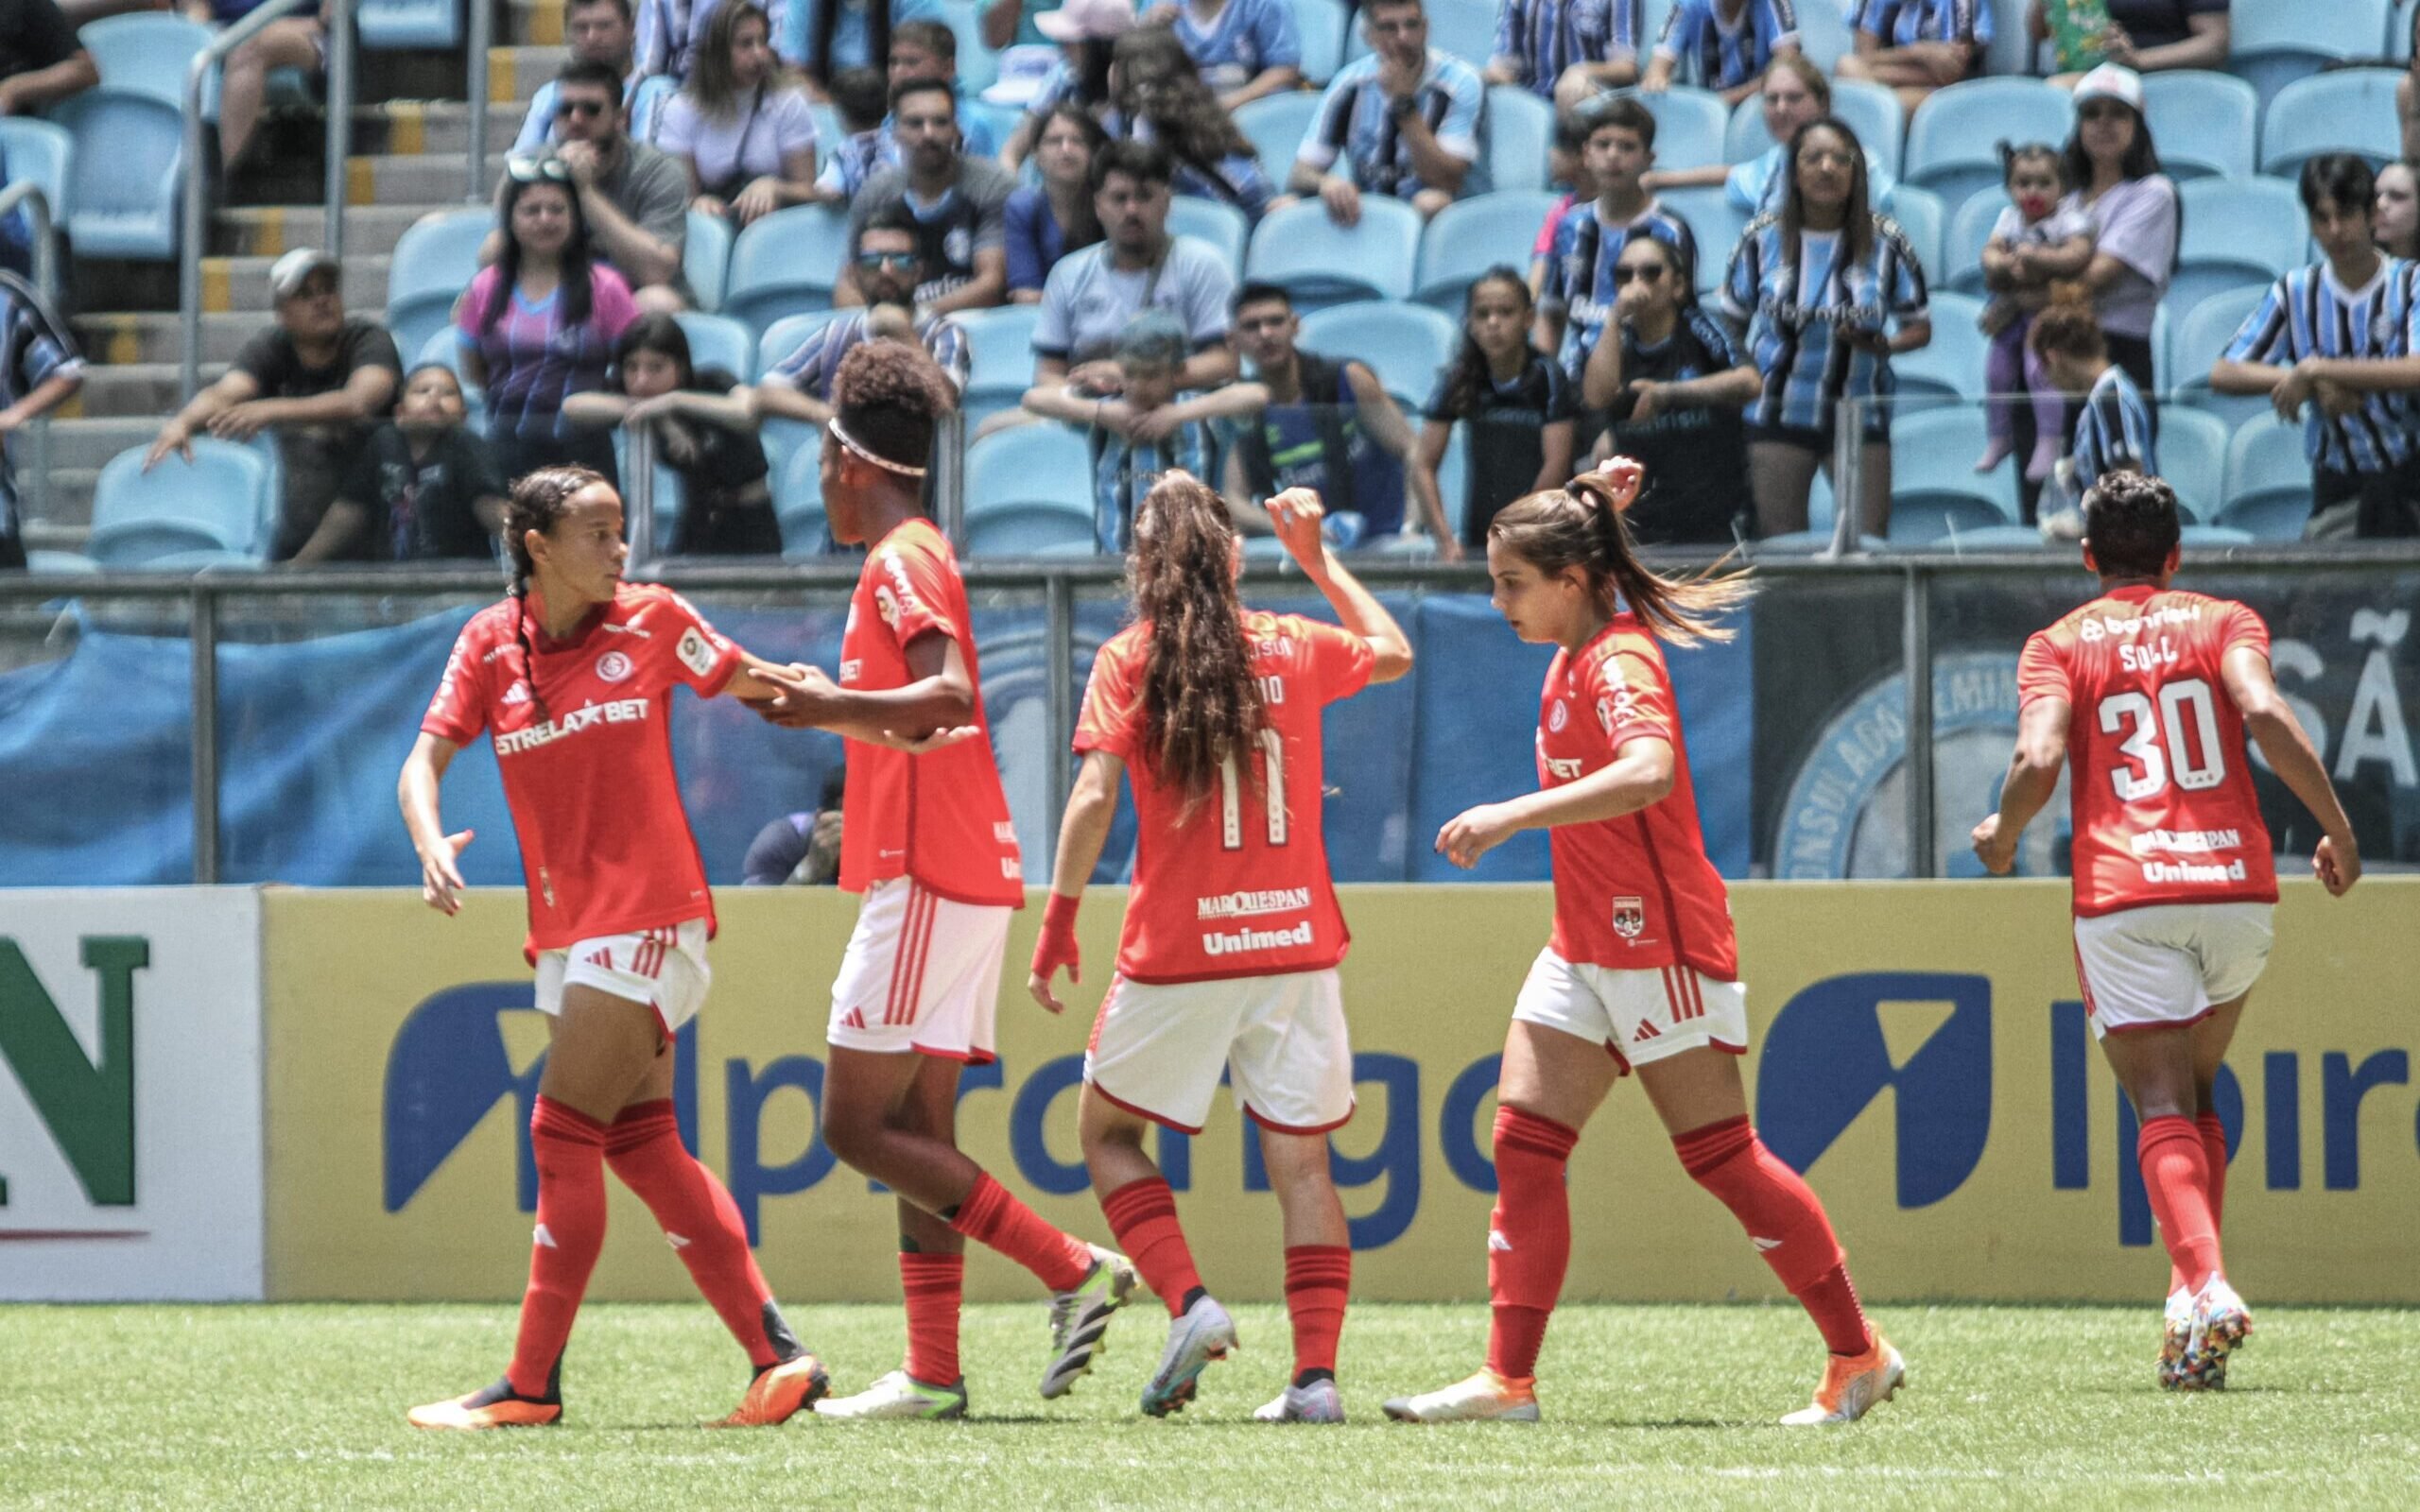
[[499, 1406], [780, 1392], [1853, 1387]]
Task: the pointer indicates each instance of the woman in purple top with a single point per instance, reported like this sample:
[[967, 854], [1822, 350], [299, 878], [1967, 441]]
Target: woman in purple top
[[540, 323], [1047, 220]]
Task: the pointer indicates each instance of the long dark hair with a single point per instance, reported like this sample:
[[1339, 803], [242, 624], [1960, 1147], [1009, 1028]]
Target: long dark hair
[[536, 503], [1201, 702], [827, 21], [1183, 115], [579, 298], [1857, 221], [2140, 162], [1468, 375], [1578, 526], [712, 82], [657, 332], [1086, 229]]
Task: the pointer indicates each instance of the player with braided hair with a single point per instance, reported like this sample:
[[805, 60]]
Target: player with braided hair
[[1642, 972], [572, 676]]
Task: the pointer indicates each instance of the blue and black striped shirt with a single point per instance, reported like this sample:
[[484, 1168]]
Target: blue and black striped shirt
[[2114, 434], [1579, 284], [1543, 38], [1792, 298], [1716, 53], [2308, 314]]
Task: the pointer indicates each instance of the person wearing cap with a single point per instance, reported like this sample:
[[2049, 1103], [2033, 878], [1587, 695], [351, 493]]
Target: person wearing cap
[[957, 204], [1085, 30], [599, 31], [319, 380], [1916, 46], [1404, 121], [634, 199], [44, 371], [2132, 207]]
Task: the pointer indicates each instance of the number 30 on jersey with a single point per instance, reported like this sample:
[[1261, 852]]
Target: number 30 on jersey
[[2159, 742]]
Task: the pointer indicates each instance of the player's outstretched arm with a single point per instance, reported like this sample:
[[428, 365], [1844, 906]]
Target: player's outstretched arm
[[2033, 776], [938, 701], [1639, 774], [1295, 514], [1090, 808], [2284, 745], [441, 876]]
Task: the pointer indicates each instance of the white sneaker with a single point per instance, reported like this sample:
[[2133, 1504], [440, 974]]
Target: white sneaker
[[2221, 1324], [1203, 1333], [2176, 1334], [899, 1395], [1315, 1404], [1483, 1398], [1080, 1319]]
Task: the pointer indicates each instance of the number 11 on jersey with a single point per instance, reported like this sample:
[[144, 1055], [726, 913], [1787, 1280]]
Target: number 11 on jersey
[[1231, 808]]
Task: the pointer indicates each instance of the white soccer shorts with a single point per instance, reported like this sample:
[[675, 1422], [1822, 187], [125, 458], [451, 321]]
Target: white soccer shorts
[[2168, 964], [1641, 1016], [921, 973], [1157, 1050], [665, 968]]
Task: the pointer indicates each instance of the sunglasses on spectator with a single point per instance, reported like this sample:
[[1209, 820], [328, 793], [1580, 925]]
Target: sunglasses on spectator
[[1645, 273], [565, 110], [524, 169], [873, 261]]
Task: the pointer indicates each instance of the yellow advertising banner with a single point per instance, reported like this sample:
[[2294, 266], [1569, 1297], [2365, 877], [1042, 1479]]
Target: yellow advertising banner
[[1919, 1051]]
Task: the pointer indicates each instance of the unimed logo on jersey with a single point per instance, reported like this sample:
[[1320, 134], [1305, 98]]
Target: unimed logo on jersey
[[86, 1102], [1924, 1036]]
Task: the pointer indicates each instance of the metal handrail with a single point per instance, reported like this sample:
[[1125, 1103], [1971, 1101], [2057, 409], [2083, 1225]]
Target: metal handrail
[[340, 148], [475, 92], [28, 194]]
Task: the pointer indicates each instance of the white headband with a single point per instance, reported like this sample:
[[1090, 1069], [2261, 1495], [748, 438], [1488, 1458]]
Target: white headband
[[851, 443]]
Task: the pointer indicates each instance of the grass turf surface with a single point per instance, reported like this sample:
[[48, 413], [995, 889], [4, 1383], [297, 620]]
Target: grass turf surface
[[302, 1406]]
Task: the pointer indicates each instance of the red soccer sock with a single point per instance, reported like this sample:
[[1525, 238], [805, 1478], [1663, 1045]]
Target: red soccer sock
[[570, 1150], [1318, 1276], [1143, 1216], [2176, 1177], [1529, 1240], [933, 1285], [699, 1220], [1786, 1222], [2214, 1152], [991, 1215]]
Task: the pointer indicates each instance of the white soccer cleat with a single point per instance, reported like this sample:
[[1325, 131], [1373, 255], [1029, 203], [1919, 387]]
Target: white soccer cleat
[[1852, 1388], [1483, 1398], [1204, 1333], [1080, 1319], [1315, 1404], [898, 1395], [2221, 1324], [2176, 1336]]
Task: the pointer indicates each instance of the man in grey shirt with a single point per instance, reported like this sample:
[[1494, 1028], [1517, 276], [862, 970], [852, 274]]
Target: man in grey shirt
[[1091, 294], [635, 199], [959, 204]]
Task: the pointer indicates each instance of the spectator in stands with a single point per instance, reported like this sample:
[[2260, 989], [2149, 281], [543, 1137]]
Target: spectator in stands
[[1086, 31], [1818, 289], [705, 430], [1242, 49], [634, 199], [1404, 121], [863, 105], [1916, 46], [669, 33], [2112, 430], [1010, 22], [1049, 219], [827, 36], [929, 50], [1578, 293], [319, 380], [1093, 294], [289, 41], [43, 372], [2407, 95], [1723, 45], [2117, 182], [1161, 98], [539, 325], [599, 31], [891, 267], [2338, 338], [1567, 51], [1567, 163], [1671, 384], [1513, 399], [2147, 36], [800, 847], [2396, 218], [1793, 92], [2033, 244], [424, 488], [1328, 424], [957, 203], [745, 140]]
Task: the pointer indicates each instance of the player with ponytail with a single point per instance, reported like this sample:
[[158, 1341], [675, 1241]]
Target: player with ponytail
[[1642, 970], [1228, 959]]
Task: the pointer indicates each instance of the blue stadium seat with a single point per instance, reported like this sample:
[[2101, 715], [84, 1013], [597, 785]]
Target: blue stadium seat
[[2352, 111], [1402, 344], [392, 25], [1276, 126], [1690, 125], [719, 341], [146, 52], [1872, 111], [977, 65], [39, 152], [1715, 222], [216, 504], [2193, 458], [2268, 487], [1321, 25], [128, 174], [669, 490], [1934, 488], [1953, 143], [1029, 464], [1961, 246], [999, 353], [435, 261], [705, 258], [1321, 263], [1223, 227], [798, 498], [1520, 133], [2273, 44], [2204, 122], [788, 333], [1041, 529], [2211, 538], [2200, 340], [2237, 232], [1921, 216], [786, 264], [1999, 538], [1951, 364], [1469, 236], [1453, 477]]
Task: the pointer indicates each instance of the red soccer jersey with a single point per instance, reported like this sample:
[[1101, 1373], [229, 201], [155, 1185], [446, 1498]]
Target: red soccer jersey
[[1239, 887], [605, 844], [939, 817], [1637, 891], [2161, 791]]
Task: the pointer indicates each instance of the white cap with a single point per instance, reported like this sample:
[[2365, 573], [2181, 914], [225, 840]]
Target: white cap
[[1087, 20], [288, 275], [2109, 81], [1022, 72]]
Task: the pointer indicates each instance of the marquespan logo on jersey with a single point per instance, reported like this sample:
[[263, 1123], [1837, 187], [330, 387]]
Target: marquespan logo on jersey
[[615, 667], [1630, 917]]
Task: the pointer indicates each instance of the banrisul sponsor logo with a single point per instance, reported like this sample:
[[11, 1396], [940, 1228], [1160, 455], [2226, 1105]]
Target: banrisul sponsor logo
[[85, 1100]]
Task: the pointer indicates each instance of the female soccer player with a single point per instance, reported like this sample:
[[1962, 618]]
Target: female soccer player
[[926, 838], [2175, 871], [1642, 973], [573, 676], [1228, 960]]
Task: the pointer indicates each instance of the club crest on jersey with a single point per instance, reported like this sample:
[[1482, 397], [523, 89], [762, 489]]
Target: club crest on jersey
[[1557, 716], [1630, 916], [886, 605], [615, 667]]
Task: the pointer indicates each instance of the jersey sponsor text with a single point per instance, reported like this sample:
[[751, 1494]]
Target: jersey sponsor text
[[545, 732]]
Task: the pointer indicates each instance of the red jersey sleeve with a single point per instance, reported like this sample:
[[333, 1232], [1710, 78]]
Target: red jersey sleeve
[[1340, 659], [459, 710], [1632, 699], [913, 593], [2042, 673], [1110, 719], [700, 656], [2242, 627]]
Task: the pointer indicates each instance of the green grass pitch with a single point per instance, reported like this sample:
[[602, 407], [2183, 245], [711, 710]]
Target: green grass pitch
[[302, 1406]]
